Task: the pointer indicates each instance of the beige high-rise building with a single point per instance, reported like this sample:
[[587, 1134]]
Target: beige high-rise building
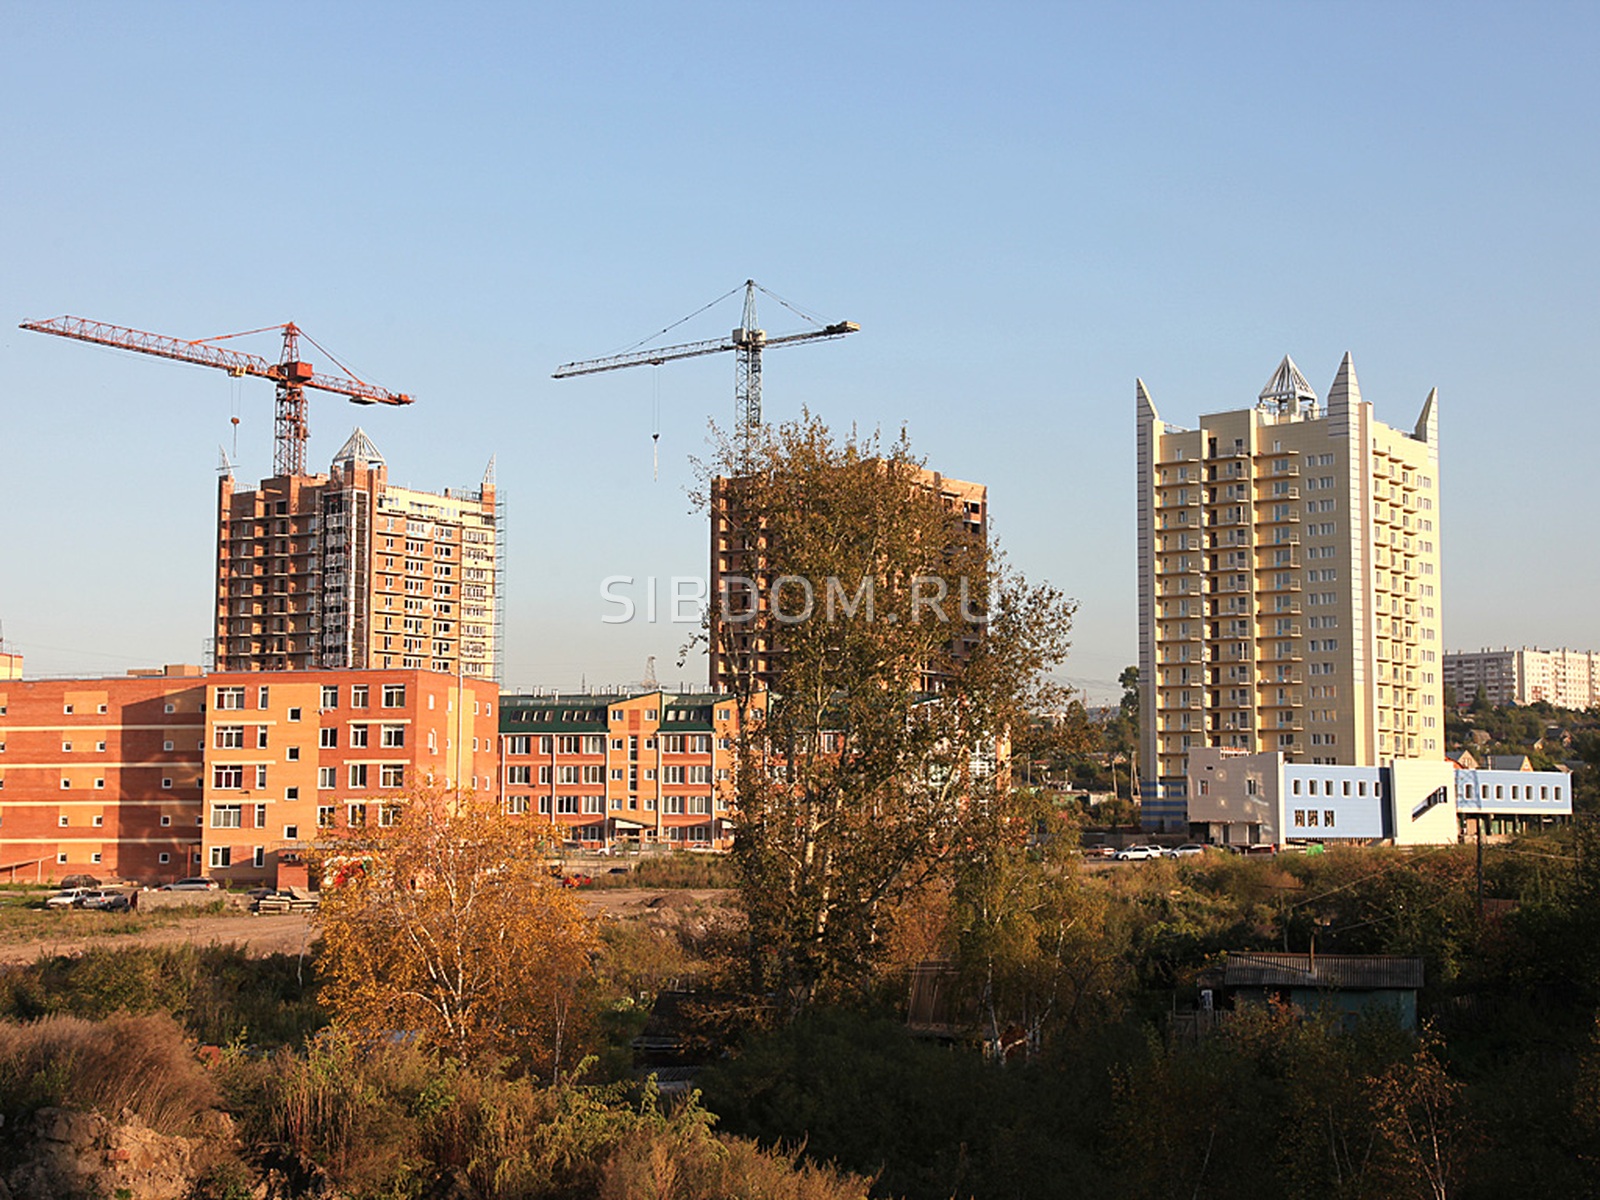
[[347, 570], [1289, 589]]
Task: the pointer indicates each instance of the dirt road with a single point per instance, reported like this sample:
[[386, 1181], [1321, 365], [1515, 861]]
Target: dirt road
[[286, 934]]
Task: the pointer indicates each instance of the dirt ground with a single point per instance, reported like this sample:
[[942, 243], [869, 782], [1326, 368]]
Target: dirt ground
[[285, 934]]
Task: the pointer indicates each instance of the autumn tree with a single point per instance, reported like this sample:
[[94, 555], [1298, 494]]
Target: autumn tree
[[1033, 945], [442, 922], [901, 652]]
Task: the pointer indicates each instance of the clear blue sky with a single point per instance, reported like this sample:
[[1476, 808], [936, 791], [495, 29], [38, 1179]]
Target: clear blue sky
[[1025, 207]]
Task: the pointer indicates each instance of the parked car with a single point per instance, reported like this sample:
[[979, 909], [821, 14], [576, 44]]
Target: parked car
[[69, 898], [193, 884], [109, 900], [1187, 850], [1134, 853], [1099, 852]]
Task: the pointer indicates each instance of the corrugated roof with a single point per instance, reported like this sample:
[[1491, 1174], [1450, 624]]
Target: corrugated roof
[[1337, 971]]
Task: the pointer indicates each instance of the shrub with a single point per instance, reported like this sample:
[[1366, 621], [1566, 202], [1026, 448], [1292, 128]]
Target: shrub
[[144, 1064]]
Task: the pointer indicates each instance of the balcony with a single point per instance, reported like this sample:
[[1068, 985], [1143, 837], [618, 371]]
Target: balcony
[[1271, 652], [1291, 609], [1282, 495], [1272, 585]]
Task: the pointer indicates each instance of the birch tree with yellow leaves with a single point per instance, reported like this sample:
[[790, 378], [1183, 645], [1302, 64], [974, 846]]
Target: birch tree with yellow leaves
[[441, 922]]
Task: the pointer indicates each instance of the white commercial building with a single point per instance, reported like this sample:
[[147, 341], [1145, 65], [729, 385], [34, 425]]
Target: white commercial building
[[1526, 675], [1238, 798]]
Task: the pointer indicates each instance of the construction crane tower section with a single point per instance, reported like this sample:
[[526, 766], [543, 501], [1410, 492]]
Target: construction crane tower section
[[291, 374], [747, 341]]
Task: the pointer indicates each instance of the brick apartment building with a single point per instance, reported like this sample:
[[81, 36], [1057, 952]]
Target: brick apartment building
[[292, 752], [101, 776], [745, 563], [645, 767]]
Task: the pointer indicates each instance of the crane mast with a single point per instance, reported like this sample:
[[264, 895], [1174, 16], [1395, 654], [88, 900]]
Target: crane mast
[[291, 375]]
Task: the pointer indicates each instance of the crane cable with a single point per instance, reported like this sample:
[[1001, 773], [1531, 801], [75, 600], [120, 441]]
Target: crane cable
[[655, 435]]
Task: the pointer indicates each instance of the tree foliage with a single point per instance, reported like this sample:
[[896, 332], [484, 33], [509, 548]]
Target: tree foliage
[[874, 757], [445, 925]]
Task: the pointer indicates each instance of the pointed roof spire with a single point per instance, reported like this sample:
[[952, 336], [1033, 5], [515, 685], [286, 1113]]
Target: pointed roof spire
[[358, 447], [1346, 388], [1427, 429], [488, 473], [1287, 387], [1142, 398]]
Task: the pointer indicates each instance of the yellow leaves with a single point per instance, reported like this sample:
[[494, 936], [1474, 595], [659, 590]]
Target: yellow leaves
[[454, 935]]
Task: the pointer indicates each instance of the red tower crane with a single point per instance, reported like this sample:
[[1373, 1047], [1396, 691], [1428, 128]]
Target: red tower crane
[[290, 373]]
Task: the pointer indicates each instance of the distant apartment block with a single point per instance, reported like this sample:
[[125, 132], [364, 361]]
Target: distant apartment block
[[101, 776], [348, 571], [646, 767], [1289, 587], [745, 562], [1564, 678]]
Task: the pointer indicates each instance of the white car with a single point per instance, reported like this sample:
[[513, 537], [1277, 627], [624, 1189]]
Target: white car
[[1187, 850], [71, 898], [1135, 853]]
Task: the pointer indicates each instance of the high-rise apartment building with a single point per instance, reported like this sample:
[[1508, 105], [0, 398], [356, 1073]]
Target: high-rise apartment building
[[346, 570], [1564, 678], [745, 564], [1289, 588]]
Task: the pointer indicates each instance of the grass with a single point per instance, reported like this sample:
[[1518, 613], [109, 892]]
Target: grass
[[23, 918]]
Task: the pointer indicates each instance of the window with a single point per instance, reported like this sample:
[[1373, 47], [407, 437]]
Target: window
[[261, 737], [163, 857], [594, 804], [221, 856], [358, 695], [357, 815], [62, 820], [228, 737], [394, 695], [358, 736], [166, 783], [328, 737], [516, 805], [227, 816], [61, 858], [358, 775], [262, 695], [519, 775], [66, 709], [391, 775], [166, 820], [672, 775], [594, 774], [330, 695], [388, 815], [324, 816], [394, 736], [327, 777], [227, 776], [261, 775], [518, 744], [230, 697], [566, 804], [292, 754]]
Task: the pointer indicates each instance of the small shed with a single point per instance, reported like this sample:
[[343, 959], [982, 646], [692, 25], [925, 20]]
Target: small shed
[[1345, 984]]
